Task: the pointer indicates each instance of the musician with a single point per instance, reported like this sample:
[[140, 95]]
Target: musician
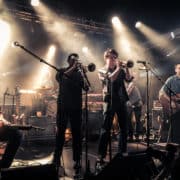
[[13, 139], [170, 92], [69, 108], [134, 105], [112, 76]]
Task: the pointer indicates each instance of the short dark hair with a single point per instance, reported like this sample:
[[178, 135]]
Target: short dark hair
[[73, 56], [176, 65], [110, 52]]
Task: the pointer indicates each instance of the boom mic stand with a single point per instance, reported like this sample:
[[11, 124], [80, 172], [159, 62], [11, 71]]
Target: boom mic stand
[[37, 57], [147, 102], [149, 68], [87, 85], [42, 60]]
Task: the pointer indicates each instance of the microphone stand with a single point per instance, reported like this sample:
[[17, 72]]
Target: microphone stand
[[37, 57], [147, 105], [87, 85], [171, 92], [43, 61], [148, 68], [147, 102]]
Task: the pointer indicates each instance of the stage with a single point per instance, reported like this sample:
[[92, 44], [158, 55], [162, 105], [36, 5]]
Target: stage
[[39, 153]]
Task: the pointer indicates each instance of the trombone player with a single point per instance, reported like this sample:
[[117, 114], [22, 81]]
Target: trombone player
[[112, 76], [69, 108]]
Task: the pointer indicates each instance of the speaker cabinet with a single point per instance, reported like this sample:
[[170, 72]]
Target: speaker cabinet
[[30, 172]]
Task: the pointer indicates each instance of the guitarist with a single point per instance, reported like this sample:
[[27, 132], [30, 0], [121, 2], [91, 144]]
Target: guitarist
[[13, 139], [171, 100]]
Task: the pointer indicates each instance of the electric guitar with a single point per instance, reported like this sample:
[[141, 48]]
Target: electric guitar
[[175, 103]]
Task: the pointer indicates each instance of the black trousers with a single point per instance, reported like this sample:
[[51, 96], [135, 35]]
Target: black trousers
[[75, 119], [13, 138], [108, 115]]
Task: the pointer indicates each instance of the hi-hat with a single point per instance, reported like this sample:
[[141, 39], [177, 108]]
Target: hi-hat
[[40, 89]]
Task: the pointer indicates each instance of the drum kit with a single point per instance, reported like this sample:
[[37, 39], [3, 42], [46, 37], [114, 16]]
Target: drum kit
[[34, 102], [45, 102]]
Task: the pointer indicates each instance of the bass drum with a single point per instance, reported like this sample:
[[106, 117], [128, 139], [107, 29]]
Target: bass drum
[[51, 109]]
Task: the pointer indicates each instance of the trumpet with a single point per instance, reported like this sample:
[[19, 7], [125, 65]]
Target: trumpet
[[90, 67], [127, 64]]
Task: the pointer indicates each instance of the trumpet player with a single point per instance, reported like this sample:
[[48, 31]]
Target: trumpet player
[[69, 108], [112, 76]]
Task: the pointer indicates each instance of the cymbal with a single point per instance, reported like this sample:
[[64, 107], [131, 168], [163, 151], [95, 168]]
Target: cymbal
[[43, 88]]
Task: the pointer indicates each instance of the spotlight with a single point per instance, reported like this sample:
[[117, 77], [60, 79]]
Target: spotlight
[[5, 33], [172, 35], [116, 21], [85, 49], [138, 24], [35, 2]]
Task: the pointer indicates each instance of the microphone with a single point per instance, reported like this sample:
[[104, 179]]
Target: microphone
[[16, 43], [141, 62]]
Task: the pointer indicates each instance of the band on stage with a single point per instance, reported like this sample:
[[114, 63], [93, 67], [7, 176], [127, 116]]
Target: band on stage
[[121, 105]]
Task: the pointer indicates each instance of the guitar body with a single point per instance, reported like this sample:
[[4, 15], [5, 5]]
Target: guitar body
[[175, 104]]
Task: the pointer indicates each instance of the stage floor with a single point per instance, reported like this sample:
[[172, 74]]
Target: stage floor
[[40, 153]]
